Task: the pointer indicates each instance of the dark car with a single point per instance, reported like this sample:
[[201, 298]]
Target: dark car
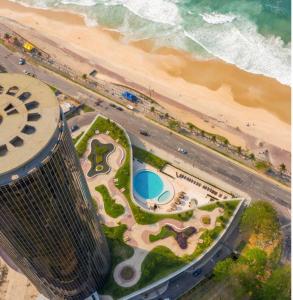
[[74, 128], [144, 132], [119, 108], [197, 272], [98, 102]]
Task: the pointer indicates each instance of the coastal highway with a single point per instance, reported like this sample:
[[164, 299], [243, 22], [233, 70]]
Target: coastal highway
[[258, 187]]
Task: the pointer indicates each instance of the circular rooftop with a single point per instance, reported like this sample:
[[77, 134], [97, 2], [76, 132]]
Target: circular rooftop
[[29, 116]]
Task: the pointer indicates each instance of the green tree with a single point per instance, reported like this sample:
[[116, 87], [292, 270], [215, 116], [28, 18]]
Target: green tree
[[223, 269], [261, 218], [190, 126], [256, 260], [278, 286], [84, 76], [252, 156], [152, 109]]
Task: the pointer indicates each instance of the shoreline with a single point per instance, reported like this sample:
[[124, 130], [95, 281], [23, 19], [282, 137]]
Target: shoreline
[[217, 96], [93, 24]]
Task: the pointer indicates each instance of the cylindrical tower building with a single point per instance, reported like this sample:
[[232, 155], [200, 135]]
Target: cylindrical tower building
[[47, 223]]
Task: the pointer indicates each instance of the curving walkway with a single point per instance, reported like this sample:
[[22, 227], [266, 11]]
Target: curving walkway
[[137, 234]]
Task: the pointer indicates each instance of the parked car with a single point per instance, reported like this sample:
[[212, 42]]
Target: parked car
[[181, 150], [74, 128], [99, 102], [197, 272], [144, 132], [130, 107], [119, 108], [21, 61]]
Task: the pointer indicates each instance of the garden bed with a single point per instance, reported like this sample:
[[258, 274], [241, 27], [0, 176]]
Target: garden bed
[[112, 208], [98, 158], [181, 237]]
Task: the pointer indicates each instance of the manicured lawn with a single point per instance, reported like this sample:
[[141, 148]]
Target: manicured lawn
[[77, 138], [164, 233], [160, 262], [112, 208], [148, 158], [119, 251]]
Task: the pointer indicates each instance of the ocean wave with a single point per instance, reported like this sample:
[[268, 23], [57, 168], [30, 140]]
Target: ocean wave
[[231, 37], [216, 18], [158, 11], [240, 43]]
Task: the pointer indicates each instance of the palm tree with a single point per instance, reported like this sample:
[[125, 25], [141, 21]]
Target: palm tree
[[282, 168], [239, 149]]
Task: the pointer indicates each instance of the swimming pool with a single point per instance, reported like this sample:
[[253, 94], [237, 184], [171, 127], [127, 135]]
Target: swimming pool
[[148, 184]]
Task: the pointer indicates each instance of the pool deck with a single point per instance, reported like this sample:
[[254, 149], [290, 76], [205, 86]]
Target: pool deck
[[179, 181]]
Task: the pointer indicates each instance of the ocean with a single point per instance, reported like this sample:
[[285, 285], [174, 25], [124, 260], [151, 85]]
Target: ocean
[[255, 35]]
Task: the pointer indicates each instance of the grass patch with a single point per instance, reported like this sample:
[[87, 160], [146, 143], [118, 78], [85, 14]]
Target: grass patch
[[206, 220], [164, 233], [86, 108], [96, 156], [262, 165], [148, 158], [119, 252], [112, 208], [77, 138], [160, 256]]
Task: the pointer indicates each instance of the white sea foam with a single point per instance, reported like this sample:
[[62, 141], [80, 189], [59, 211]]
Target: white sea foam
[[159, 11], [229, 37], [240, 43], [80, 2], [216, 18]]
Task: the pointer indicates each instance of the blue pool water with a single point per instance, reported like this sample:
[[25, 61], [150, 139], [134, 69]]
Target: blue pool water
[[164, 197], [148, 184]]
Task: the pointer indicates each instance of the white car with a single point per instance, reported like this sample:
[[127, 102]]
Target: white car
[[181, 150], [21, 61]]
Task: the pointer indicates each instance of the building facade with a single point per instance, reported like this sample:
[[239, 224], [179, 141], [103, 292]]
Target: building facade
[[47, 223]]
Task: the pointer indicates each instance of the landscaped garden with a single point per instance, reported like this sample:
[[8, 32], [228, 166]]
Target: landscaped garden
[[181, 237], [160, 261], [103, 125], [112, 208], [98, 157], [148, 158]]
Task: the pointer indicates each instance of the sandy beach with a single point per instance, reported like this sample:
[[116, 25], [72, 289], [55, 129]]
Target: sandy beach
[[214, 95]]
